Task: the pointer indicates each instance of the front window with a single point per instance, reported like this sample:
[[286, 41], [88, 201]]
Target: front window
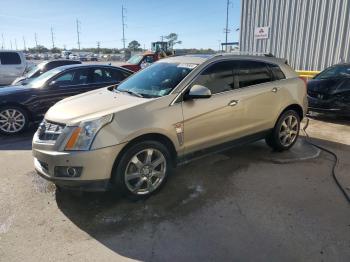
[[135, 60], [41, 80], [334, 72], [157, 80], [35, 71]]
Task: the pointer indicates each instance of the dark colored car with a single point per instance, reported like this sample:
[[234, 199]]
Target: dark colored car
[[21, 105], [42, 68], [329, 91]]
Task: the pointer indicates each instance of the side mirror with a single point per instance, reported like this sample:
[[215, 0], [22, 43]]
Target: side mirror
[[53, 84], [198, 91]]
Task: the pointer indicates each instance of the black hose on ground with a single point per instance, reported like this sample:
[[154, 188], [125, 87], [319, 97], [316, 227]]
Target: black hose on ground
[[335, 164]]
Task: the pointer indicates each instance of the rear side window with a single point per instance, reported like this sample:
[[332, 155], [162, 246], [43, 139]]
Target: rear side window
[[252, 73], [10, 58], [277, 72], [108, 75]]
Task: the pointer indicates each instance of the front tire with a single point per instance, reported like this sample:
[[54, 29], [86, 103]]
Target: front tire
[[286, 131], [13, 120], [143, 169]]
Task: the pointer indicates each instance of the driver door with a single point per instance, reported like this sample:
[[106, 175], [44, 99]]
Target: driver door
[[212, 121]]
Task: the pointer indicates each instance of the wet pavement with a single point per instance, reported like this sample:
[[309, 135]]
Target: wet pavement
[[248, 203]]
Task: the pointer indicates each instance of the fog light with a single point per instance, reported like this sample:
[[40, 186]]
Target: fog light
[[68, 171]]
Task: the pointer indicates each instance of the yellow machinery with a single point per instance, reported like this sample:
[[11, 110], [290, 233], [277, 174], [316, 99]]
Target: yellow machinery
[[307, 74]]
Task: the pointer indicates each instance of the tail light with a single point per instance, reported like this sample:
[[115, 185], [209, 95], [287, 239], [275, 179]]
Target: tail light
[[304, 80]]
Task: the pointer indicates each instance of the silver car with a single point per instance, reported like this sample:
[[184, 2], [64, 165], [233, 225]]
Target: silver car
[[132, 136]]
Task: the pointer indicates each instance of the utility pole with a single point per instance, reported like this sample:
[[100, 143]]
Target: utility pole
[[3, 42], [11, 44], [123, 26], [226, 29], [78, 34], [24, 44], [52, 38], [36, 40], [98, 47], [16, 44]]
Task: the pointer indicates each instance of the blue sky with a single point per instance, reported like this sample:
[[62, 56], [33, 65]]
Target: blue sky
[[199, 23]]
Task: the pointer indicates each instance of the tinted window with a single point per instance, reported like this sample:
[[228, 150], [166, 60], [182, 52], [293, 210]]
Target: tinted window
[[148, 59], [218, 77], [102, 75], [74, 77], [9, 58], [115, 75], [277, 72], [252, 73]]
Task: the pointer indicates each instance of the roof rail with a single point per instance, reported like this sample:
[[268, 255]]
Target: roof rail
[[248, 53]]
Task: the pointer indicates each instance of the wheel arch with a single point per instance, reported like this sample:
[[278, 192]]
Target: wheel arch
[[295, 107]]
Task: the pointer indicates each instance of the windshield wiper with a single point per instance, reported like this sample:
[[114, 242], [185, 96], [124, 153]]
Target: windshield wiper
[[131, 93]]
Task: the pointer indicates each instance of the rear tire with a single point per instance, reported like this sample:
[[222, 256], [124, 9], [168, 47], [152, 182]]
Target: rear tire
[[286, 131], [13, 120], [142, 169]]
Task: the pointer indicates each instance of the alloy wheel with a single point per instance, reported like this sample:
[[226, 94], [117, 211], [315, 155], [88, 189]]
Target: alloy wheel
[[289, 130], [145, 171], [12, 120]]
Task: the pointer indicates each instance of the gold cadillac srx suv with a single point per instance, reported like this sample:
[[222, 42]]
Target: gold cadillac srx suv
[[132, 136]]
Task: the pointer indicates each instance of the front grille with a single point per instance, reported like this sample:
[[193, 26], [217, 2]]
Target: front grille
[[49, 131]]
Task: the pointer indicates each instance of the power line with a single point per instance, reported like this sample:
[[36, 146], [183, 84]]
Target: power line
[[52, 38], [78, 34], [123, 26]]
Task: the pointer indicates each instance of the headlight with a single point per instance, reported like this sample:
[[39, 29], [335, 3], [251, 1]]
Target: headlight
[[83, 135]]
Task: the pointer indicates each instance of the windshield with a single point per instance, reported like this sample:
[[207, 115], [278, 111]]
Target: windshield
[[35, 69], [335, 72], [135, 59], [41, 80], [157, 80]]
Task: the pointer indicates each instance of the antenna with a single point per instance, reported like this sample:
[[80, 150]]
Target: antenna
[[52, 38], [123, 25], [78, 33]]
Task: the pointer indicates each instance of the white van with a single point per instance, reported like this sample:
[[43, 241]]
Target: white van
[[12, 65]]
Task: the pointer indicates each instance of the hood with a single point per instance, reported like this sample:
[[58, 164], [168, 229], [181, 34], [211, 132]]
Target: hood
[[323, 86], [91, 105], [9, 90]]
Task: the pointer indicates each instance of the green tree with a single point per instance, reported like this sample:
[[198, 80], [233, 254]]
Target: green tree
[[173, 39], [134, 45], [55, 50]]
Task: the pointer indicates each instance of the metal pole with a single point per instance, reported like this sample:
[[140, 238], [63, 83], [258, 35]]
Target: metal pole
[[3, 41], [78, 34], [36, 41], [52, 38], [24, 44], [123, 26], [226, 30], [16, 44]]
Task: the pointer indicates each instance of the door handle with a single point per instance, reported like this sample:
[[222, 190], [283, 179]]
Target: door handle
[[233, 103], [274, 90]]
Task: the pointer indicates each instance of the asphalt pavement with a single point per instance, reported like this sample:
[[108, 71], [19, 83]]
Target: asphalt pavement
[[245, 204]]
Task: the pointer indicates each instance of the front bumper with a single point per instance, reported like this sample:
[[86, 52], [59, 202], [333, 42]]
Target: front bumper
[[321, 106], [96, 166]]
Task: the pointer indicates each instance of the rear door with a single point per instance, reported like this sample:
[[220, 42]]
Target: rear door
[[12, 65], [260, 87]]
